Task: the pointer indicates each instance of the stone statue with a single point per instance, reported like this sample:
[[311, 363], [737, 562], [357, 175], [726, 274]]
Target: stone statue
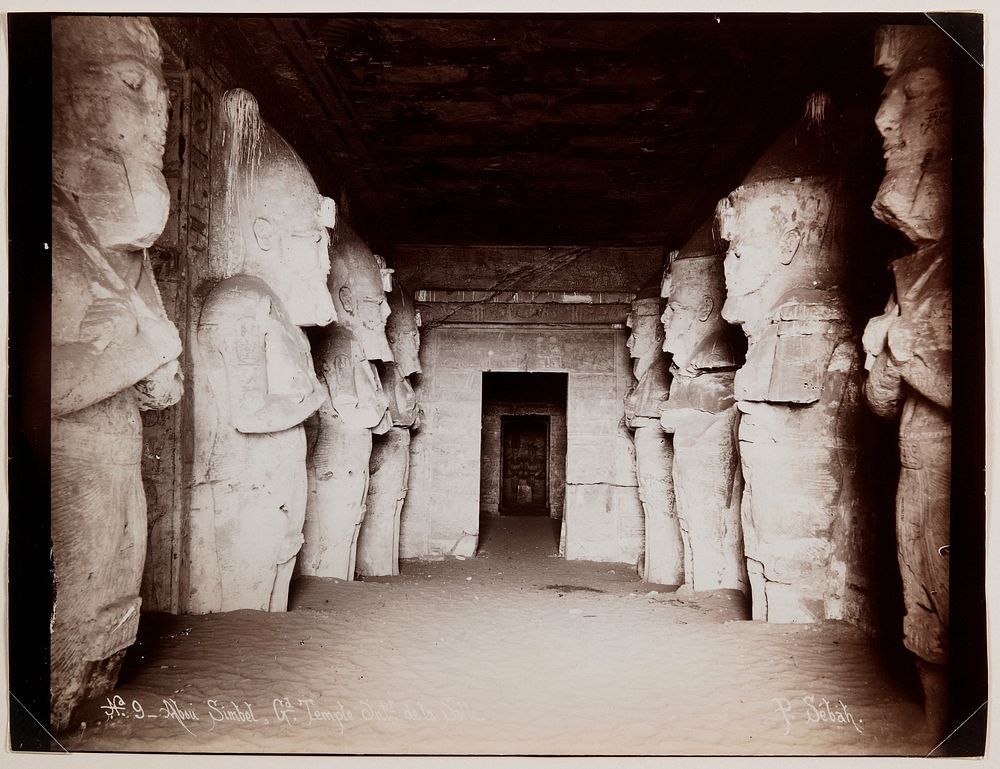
[[701, 415], [254, 374], [356, 406], [114, 352], [909, 347], [358, 280], [803, 520], [664, 556], [378, 542]]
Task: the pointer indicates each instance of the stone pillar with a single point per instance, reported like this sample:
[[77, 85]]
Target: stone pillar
[[378, 542], [114, 352], [664, 556], [804, 525], [357, 406], [909, 346], [701, 415], [255, 383]]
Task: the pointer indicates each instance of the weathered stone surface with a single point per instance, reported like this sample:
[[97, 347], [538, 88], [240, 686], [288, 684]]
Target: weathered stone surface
[[803, 521], [604, 519], [663, 560], [378, 540], [404, 408], [114, 352], [708, 482], [254, 374], [338, 461], [915, 121], [909, 347], [701, 415]]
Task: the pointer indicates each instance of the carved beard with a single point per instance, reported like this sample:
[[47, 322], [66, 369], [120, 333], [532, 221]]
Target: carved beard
[[916, 200], [644, 359], [406, 352], [125, 200]]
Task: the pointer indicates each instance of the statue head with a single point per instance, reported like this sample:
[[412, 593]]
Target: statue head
[[783, 223], [694, 331], [403, 331], [278, 218], [357, 284], [109, 126], [915, 123], [645, 343]]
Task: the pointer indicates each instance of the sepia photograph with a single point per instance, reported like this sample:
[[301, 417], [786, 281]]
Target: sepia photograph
[[495, 384]]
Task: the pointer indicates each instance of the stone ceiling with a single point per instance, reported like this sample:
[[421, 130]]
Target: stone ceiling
[[537, 129]]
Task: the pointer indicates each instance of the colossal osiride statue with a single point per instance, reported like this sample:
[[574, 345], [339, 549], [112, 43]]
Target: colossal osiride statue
[[359, 282], [114, 352], [798, 392], [255, 383], [663, 562], [378, 540], [701, 414], [356, 405], [909, 347]]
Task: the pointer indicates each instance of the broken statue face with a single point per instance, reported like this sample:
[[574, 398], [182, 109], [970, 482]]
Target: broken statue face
[[915, 120], [694, 331], [776, 231], [356, 284], [645, 341], [109, 126], [403, 332]]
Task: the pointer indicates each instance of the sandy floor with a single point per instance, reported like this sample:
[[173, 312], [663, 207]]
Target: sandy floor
[[513, 652]]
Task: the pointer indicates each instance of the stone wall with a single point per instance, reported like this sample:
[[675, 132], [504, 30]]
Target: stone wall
[[602, 512], [554, 268], [179, 257]]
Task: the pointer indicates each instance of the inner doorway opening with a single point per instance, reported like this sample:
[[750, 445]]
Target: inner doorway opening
[[523, 457], [524, 465]]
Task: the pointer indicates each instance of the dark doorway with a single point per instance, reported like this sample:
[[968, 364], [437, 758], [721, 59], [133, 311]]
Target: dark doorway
[[523, 458], [524, 465]]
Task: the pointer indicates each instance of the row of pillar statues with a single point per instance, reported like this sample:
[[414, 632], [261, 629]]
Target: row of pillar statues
[[750, 469], [285, 477], [285, 470], [747, 467]]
